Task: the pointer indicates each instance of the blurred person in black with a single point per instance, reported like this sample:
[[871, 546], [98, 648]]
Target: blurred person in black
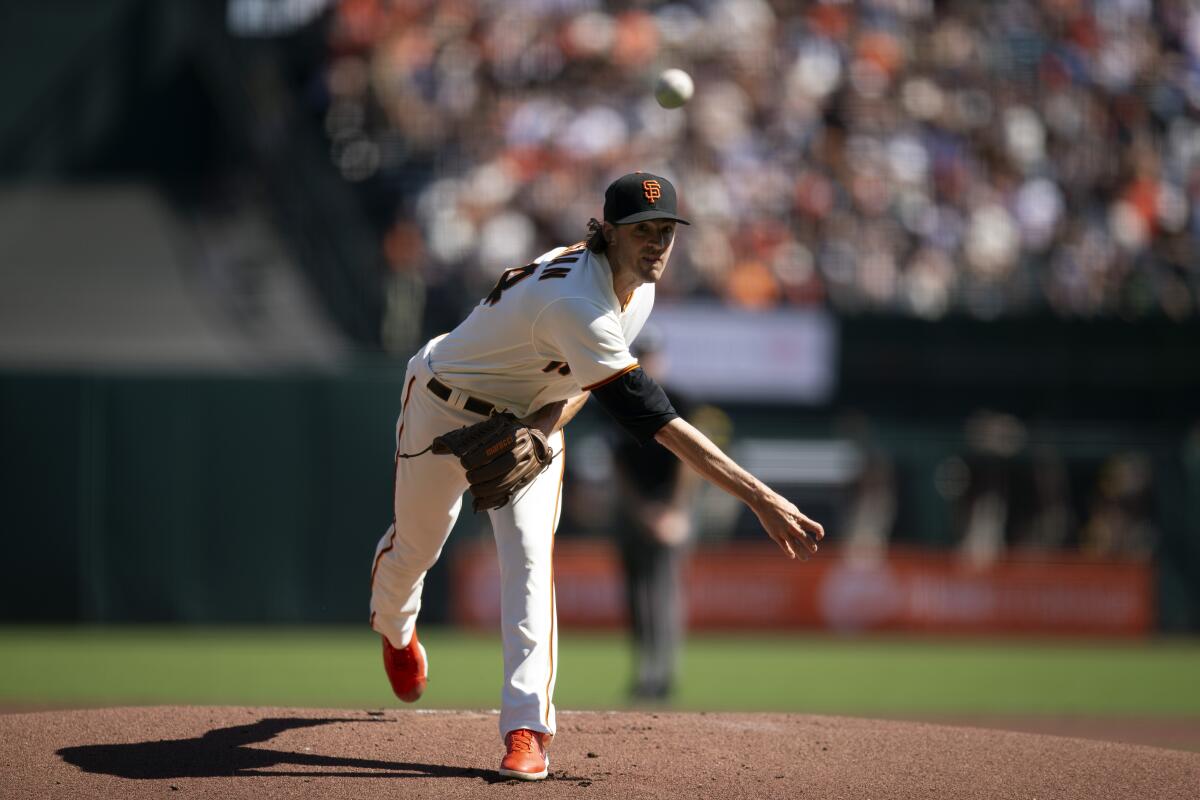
[[653, 530]]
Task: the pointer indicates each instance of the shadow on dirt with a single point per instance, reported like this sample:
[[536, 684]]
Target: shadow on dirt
[[223, 752]]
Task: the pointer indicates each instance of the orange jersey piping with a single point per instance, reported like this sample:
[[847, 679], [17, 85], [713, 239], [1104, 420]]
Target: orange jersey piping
[[395, 475], [612, 377], [554, 527]]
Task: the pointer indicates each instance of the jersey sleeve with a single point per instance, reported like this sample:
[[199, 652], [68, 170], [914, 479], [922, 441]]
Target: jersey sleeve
[[638, 404], [587, 337]]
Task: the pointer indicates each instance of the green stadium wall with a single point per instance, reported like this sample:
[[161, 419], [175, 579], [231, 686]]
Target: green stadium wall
[[259, 498]]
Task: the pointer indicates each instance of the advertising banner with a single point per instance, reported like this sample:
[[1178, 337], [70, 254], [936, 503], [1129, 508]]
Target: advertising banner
[[723, 354], [753, 587]]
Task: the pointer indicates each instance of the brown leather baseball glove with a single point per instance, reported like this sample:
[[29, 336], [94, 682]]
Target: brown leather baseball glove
[[501, 455]]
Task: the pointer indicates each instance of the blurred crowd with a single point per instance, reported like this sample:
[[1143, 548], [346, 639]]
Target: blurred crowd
[[997, 488], [1013, 489], [916, 157]]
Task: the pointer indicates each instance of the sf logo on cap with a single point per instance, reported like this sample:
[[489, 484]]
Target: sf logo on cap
[[652, 190]]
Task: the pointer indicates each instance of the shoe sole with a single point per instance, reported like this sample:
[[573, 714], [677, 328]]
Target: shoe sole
[[419, 689], [414, 695], [524, 776]]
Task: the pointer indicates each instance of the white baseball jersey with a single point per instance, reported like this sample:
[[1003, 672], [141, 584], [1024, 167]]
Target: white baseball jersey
[[547, 332]]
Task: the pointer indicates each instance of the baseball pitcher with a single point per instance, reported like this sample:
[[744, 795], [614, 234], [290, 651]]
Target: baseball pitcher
[[483, 409]]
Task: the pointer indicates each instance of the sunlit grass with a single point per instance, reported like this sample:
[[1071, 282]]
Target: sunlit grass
[[340, 668]]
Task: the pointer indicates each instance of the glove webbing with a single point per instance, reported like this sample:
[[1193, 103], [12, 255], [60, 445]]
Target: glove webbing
[[530, 484]]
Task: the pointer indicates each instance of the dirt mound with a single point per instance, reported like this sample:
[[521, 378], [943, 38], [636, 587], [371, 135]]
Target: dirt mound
[[263, 753]]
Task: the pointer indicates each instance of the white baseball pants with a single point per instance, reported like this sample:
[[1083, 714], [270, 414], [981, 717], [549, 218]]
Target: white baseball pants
[[428, 496]]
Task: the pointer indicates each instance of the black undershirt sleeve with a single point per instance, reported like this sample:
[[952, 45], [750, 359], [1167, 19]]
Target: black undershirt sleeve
[[637, 403]]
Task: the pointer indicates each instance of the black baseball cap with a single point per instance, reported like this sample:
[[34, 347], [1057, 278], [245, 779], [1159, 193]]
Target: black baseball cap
[[640, 196]]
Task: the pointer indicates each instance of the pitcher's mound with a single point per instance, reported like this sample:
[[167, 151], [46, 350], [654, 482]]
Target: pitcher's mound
[[260, 753]]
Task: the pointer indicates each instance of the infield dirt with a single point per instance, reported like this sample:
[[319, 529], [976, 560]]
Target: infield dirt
[[264, 753]]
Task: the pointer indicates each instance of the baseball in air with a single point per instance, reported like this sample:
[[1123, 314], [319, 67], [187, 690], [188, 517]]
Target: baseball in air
[[674, 88]]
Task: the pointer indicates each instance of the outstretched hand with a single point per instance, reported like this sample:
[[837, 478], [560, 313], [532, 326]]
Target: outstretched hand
[[796, 534]]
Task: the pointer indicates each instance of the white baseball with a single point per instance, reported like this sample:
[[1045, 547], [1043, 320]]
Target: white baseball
[[674, 88]]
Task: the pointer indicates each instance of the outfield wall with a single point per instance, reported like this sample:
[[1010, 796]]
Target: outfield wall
[[260, 498], [754, 587]]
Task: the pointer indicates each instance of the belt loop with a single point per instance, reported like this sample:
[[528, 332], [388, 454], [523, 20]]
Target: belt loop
[[458, 399]]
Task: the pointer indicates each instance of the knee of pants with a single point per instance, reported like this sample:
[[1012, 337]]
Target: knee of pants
[[412, 557]]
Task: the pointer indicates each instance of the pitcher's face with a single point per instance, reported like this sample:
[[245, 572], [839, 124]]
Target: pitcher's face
[[641, 248]]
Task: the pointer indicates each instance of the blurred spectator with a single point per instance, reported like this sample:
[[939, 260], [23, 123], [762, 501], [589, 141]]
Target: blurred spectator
[[653, 527], [994, 440], [917, 157], [873, 505], [1119, 523], [1051, 520], [404, 289]]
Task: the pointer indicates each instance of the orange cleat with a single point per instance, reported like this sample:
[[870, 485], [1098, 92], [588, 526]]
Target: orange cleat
[[407, 669], [526, 758]]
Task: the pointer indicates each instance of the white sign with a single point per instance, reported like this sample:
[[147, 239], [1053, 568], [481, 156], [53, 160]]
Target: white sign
[[270, 17], [716, 353]]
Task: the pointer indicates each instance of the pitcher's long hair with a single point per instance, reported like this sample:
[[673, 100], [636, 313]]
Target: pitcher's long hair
[[595, 241]]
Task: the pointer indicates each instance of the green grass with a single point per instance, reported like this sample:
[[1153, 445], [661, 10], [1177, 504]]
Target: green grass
[[339, 667]]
